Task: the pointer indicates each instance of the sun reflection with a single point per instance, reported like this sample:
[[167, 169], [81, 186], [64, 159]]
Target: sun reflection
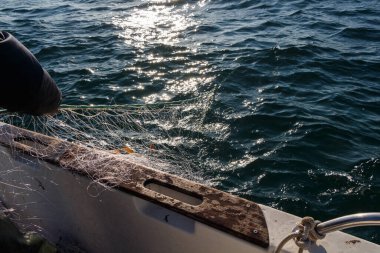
[[163, 24], [158, 32]]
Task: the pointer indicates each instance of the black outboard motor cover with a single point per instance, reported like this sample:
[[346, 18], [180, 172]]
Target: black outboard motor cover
[[24, 85]]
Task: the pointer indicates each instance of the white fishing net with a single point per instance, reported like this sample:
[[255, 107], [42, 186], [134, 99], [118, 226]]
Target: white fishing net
[[153, 135]]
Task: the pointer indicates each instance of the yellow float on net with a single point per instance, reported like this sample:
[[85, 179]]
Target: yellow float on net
[[125, 149], [128, 150]]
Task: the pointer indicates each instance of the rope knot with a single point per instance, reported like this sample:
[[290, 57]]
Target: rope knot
[[304, 234], [308, 233]]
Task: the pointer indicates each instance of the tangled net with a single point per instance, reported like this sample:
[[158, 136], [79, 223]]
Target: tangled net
[[152, 135]]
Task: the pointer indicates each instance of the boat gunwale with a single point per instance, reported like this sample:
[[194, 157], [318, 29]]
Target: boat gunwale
[[234, 215]]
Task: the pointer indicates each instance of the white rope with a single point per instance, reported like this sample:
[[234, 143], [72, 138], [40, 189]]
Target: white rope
[[304, 235], [284, 241]]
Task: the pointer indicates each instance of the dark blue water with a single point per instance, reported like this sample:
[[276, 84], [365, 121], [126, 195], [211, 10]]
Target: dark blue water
[[295, 118]]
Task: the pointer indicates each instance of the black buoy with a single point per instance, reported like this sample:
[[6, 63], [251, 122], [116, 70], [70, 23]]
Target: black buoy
[[24, 85]]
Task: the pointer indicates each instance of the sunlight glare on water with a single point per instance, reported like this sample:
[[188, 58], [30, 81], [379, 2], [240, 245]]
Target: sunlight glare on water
[[157, 32], [157, 24]]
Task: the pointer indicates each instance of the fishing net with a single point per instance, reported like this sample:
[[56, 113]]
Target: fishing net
[[158, 135]]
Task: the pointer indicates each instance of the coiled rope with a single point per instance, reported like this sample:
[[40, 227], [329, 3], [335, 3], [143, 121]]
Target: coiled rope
[[308, 231], [304, 234]]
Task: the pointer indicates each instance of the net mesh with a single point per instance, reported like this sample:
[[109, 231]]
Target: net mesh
[[157, 136]]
